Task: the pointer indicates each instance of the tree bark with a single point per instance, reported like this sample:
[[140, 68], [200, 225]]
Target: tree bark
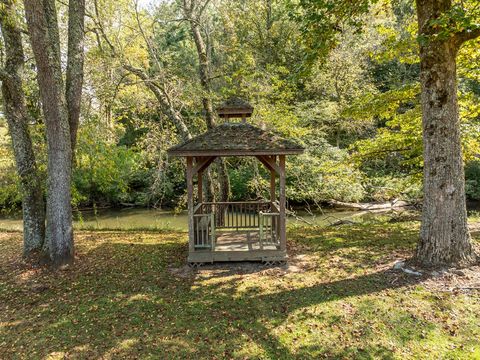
[[43, 30], [203, 69], [33, 206], [224, 180], [444, 236], [74, 75]]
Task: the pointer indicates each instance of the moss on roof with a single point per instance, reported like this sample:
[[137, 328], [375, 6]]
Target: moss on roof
[[236, 102], [237, 138], [235, 107]]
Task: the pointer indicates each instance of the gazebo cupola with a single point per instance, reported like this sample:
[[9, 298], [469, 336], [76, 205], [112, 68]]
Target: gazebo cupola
[[235, 108], [236, 230]]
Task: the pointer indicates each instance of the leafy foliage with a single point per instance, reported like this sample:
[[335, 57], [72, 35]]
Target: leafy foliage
[[324, 173], [472, 175], [104, 172], [340, 78]]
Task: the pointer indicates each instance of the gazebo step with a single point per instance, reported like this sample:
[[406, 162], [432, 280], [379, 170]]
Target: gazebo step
[[254, 255]]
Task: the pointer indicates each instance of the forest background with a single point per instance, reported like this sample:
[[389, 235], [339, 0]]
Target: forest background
[[355, 108]]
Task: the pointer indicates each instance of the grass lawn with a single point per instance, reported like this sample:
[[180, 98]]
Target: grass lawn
[[129, 295]]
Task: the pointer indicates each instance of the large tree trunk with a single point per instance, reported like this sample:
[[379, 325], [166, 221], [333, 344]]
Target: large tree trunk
[[43, 30], [444, 237], [223, 179], [17, 120]]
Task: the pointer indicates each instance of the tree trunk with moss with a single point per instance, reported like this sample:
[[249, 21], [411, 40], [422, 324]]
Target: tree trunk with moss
[[59, 110], [15, 111], [444, 236]]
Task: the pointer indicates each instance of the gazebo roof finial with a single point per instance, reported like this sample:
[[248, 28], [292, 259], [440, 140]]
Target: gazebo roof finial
[[235, 107]]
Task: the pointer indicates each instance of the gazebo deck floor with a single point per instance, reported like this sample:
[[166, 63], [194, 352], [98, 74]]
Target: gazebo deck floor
[[238, 246], [240, 241]]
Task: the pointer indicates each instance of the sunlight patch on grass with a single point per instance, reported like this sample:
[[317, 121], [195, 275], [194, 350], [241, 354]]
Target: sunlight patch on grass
[[139, 297], [127, 343], [6, 324], [56, 355]]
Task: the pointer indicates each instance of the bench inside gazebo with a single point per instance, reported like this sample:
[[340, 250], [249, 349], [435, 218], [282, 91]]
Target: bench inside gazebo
[[236, 230]]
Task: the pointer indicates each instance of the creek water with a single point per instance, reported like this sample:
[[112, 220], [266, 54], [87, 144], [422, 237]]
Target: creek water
[[138, 218]]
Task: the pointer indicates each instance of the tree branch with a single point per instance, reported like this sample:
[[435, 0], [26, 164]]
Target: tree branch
[[163, 99], [466, 35]]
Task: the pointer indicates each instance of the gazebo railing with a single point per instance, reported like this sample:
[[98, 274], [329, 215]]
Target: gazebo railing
[[235, 214], [204, 231], [261, 216], [269, 232]]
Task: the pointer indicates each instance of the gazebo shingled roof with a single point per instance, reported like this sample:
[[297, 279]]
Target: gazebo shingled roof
[[234, 139]]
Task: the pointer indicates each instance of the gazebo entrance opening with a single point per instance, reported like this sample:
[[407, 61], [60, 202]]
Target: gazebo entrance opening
[[236, 230]]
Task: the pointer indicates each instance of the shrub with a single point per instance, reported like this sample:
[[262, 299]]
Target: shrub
[[472, 180]]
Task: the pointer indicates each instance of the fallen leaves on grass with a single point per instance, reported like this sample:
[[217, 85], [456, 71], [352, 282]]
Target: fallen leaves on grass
[[130, 295]]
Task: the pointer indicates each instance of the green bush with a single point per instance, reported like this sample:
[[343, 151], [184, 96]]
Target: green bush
[[10, 196], [390, 187], [472, 180], [313, 178], [320, 174], [104, 172]]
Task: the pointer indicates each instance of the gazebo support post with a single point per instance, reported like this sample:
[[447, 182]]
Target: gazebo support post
[[272, 186], [200, 186], [272, 199], [283, 235], [191, 241]]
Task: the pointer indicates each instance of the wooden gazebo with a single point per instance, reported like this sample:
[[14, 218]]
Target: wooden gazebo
[[236, 230]]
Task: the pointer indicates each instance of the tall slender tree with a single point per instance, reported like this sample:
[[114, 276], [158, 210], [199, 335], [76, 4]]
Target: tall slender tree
[[74, 72], [18, 121], [61, 111], [158, 84], [193, 11]]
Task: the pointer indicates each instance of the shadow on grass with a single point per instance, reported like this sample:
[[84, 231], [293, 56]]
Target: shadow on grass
[[367, 236], [121, 301]]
